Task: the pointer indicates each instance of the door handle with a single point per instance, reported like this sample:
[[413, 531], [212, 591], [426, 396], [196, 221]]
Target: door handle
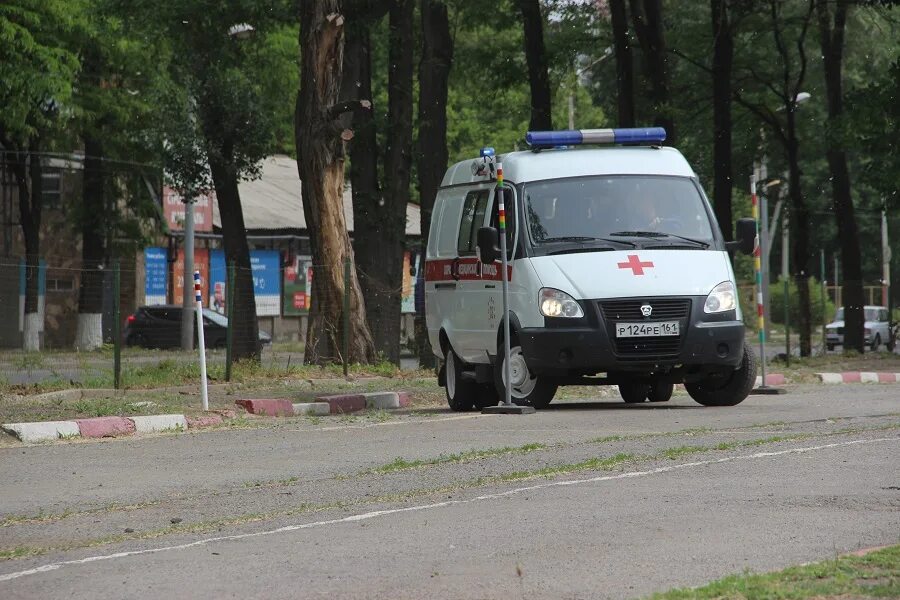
[[445, 286], [489, 286]]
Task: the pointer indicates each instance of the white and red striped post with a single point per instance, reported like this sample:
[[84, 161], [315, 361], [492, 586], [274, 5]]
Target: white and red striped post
[[201, 342], [757, 265]]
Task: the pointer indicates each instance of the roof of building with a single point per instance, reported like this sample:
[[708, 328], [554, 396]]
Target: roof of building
[[522, 167], [273, 202]]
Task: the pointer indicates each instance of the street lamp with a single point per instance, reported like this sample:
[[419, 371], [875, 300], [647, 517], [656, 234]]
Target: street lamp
[[578, 73]]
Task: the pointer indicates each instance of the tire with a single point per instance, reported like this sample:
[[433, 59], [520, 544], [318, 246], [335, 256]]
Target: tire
[[527, 389], [876, 342], [461, 394], [830, 347], [634, 393], [730, 390], [660, 392]]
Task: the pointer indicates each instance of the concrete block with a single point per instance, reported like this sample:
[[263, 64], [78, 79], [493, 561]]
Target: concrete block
[[851, 377], [382, 400], [42, 432], [888, 378], [866, 377], [155, 423], [204, 421], [100, 427], [312, 408], [405, 399], [830, 377], [344, 403], [280, 407]]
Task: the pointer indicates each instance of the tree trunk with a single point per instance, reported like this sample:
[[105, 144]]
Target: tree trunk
[[799, 238], [320, 155], [434, 74], [648, 25], [832, 40], [624, 63], [27, 171], [242, 313], [89, 330], [723, 60], [536, 57]]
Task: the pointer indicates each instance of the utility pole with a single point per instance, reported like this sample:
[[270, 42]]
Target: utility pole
[[885, 260], [837, 283], [187, 300], [785, 277], [764, 236]]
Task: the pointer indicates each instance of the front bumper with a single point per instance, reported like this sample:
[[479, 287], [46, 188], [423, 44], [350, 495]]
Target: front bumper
[[706, 342]]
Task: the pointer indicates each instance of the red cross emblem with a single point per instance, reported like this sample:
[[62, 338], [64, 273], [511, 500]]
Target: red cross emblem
[[634, 263]]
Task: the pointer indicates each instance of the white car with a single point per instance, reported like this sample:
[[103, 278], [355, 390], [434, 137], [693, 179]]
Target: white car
[[877, 328]]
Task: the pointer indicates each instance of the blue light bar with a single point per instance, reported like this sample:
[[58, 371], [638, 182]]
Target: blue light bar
[[625, 135], [487, 151]]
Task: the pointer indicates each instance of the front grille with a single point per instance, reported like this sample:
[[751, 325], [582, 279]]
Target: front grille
[[653, 348], [840, 331], [649, 348], [630, 310]]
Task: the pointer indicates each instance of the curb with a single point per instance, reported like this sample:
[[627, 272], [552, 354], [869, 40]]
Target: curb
[[333, 404], [858, 377], [101, 427], [344, 403], [267, 407]]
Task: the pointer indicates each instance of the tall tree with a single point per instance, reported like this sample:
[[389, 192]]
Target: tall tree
[[38, 69], [536, 57], [320, 158], [434, 76], [647, 18], [722, 66], [832, 25], [624, 63]]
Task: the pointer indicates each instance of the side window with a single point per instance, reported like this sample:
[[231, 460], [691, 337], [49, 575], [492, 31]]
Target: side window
[[509, 207], [472, 219]]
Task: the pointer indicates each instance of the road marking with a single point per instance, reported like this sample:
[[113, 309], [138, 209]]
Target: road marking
[[391, 511]]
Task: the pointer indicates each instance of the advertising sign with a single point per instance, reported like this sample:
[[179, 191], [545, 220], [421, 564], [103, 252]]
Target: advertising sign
[[201, 263], [408, 297], [266, 267], [173, 210], [298, 286], [156, 276]]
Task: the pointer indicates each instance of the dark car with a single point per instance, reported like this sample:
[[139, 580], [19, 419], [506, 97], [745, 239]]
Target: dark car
[[160, 327]]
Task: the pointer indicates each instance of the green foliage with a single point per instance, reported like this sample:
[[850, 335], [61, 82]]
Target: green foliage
[[776, 300], [37, 66]]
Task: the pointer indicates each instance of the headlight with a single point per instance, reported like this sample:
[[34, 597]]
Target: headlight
[[722, 298], [555, 303]]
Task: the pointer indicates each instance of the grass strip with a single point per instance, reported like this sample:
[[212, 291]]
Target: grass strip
[[873, 575]]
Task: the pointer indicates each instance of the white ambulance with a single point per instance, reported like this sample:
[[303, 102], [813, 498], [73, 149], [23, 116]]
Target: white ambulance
[[618, 275]]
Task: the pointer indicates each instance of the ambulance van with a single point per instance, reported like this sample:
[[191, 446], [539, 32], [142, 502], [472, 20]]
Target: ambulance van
[[618, 275]]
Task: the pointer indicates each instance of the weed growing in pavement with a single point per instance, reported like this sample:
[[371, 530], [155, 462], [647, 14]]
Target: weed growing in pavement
[[400, 464], [679, 451]]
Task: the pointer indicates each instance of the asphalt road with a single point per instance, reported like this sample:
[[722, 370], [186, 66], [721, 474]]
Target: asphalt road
[[620, 501]]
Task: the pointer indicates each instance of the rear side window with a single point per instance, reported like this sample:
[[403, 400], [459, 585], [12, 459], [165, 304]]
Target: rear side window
[[166, 314], [474, 207]]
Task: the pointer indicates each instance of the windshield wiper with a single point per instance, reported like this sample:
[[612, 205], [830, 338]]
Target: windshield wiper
[[583, 238], [659, 234]]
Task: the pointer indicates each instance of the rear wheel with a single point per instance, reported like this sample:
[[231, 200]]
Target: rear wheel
[[727, 389], [634, 393], [660, 392], [527, 388], [461, 394]]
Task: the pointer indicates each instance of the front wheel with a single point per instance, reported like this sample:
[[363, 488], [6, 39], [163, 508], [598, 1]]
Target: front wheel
[[527, 388], [634, 393], [461, 394], [729, 389], [660, 392]]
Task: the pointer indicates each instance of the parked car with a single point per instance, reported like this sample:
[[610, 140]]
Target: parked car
[[877, 328], [160, 327]]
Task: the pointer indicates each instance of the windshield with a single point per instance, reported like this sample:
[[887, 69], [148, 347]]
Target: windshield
[[589, 208], [870, 314]]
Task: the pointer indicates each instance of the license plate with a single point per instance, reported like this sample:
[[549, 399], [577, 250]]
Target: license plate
[[625, 330]]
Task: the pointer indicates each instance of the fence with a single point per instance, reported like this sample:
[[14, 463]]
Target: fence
[[134, 330]]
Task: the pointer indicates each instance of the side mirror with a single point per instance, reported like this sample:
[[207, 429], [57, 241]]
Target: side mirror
[[745, 232], [488, 245]]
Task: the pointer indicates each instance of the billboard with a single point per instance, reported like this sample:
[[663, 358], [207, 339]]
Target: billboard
[[173, 210], [266, 268], [201, 263], [298, 286], [156, 275]]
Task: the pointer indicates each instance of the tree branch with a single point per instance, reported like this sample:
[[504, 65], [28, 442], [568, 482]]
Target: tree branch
[[344, 107]]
